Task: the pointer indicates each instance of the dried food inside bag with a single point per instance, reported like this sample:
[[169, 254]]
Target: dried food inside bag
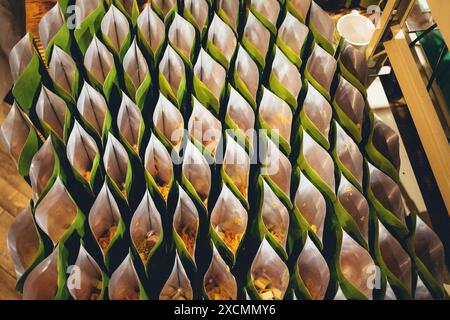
[[277, 167], [197, 171], [181, 36], [24, 243], [130, 123], [222, 41], [357, 266], [269, 275], [125, 283], [355, 204], [313, 270], [82, 151], [56, 212], [115, 29], [93, 108], [42, 282], [86, 281], [158, 163], [219, 282], [186, 222], [98, 61], [52, 111], [169, 122], [311, 204], [14, 132], [42, 168], [104, 219], [178, 286], [146, 227], [229, 219], [63, 70], [117, 163], [150, 29], [204, 127], [395, 257], [320, 70], [236, 165], [275, 216]]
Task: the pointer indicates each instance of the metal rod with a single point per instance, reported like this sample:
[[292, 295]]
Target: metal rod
[[436, 66], [427, 31]]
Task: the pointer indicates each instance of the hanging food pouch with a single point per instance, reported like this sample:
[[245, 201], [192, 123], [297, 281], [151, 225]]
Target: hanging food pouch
[[116, 33], [229, 11], [183, 38], [131, 125], [398, 264], [221, 43], [19, 138], [320, 70], [348, 157], [27, 69], [150, 35], [311, 204], [84, 157], [65, 75], [299, 8], [209, 82], [137, 76], [267, 11], [129, 8], [87, 281], [246, 76], [273, 220], [386, 197], [240, 118], [285, 79], [324, 29], [430, 261], [312, 275], [165, 8], [383, 149], [218, 282], [146, 229], [229, 221], [25, 246], [317, 164], [236, 169], [168, 124], [275, 116], [125, 283], [43, 169], [88, 22], [353, 67], [256, 39], [197, 13], [186, 223], [178, 286], [350, 108], [159, 169], [101, 69], [352, 211], [196, 174], [108, 227], [356, 270], [53, 31], [204, 128], [58, 216], [53, 113], [276, 170], [316, 116], [47, 281], [268, 277], [294, 39], [172, 76]]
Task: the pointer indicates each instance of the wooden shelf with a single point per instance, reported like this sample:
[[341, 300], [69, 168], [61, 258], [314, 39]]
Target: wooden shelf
[[422, 110]]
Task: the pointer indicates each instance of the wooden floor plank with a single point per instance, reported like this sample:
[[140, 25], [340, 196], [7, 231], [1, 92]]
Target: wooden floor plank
[[7, 286], [12, 200], [9, 172], [6, 220]]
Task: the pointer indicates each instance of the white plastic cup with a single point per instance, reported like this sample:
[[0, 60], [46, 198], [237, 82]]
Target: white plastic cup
[[356, 30]]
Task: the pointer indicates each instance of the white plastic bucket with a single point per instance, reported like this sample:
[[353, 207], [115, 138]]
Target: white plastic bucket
[[356, 29]]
